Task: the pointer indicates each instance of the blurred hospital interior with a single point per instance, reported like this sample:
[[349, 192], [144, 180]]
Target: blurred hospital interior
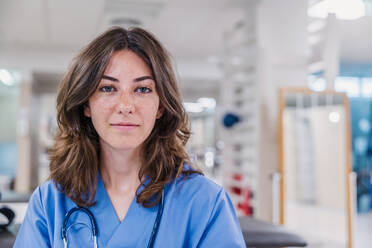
[[279, 95]]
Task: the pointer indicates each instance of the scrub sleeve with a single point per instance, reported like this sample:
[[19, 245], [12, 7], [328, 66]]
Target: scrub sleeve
[[33, 231]]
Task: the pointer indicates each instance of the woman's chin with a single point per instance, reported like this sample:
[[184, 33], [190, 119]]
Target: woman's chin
[[126, 145]]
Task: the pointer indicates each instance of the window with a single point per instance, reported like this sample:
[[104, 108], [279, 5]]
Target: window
[[367, 87], [349, 85]]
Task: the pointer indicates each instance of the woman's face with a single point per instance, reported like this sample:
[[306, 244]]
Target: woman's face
[[125, 106]]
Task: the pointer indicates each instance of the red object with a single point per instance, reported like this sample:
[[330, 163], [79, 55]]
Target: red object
[[244, 205], [238, 177], [236, 190]]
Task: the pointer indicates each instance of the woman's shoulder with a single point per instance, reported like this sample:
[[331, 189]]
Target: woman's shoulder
[[197, 177], [198, 182], [194, 187], [47, 194], [204, 208], [46, 188]]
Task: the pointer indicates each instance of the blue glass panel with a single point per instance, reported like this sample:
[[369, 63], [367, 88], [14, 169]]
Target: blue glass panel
[[8, 158]]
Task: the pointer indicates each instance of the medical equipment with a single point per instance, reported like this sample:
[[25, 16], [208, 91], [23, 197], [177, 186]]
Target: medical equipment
[[9, 215], [94, 227]]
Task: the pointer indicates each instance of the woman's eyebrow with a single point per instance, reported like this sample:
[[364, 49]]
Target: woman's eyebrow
[[134, 80], [142, 78], [110, 78]]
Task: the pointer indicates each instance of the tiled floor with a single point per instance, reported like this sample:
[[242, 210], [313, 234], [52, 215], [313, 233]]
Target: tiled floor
[[363, 231], [323, 228]]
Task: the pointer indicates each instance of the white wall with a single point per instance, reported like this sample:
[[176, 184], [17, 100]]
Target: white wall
[[282, 38], [8, 113]]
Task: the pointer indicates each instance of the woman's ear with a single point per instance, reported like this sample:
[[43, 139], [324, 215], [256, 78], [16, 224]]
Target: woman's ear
[[87, 111], [160, 112]]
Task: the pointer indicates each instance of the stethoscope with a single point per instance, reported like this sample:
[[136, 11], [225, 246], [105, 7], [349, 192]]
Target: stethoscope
[[94, 227]]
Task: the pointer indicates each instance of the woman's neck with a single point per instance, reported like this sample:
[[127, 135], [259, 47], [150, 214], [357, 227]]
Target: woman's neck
[[119, 169]]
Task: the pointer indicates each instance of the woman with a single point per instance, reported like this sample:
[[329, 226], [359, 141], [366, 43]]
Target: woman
[[120, 156]]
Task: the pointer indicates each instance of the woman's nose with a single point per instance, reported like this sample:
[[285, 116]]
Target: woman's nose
[[125, 104]]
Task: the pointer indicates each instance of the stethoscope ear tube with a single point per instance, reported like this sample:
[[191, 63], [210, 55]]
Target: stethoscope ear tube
[[157, 222], [95, 228], [92, 222]]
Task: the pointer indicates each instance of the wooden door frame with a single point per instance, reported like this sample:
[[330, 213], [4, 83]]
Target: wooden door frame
[[295, 90]]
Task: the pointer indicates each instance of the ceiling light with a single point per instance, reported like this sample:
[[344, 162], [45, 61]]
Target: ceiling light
[[209, 103], [193, 107], [6, 78], [343, 9]]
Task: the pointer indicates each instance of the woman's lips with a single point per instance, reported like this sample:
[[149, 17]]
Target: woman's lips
[[124, 126]]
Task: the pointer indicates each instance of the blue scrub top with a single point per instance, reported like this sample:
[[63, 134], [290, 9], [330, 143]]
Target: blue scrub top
[[197, 213]]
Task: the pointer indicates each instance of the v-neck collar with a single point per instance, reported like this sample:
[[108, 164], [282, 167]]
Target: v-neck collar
[[135, 229]]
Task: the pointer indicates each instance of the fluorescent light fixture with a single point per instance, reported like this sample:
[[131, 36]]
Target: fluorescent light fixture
[[209, 159], [200, 105], [193, 107], [6, 78], [343, 9], [209, 103]]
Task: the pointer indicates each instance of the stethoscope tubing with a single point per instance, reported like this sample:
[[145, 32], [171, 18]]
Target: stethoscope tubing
[[157, 221], [92, 220], [94, 228]]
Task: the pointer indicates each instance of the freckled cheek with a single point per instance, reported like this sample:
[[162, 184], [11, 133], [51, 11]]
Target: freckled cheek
[[102, 107], [151, 108]]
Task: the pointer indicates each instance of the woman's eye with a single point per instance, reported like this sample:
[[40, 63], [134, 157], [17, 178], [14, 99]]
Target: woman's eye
[[143, 90], [107, 89]]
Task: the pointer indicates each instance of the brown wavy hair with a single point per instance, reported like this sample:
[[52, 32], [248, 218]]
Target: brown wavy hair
[[75, 155]]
